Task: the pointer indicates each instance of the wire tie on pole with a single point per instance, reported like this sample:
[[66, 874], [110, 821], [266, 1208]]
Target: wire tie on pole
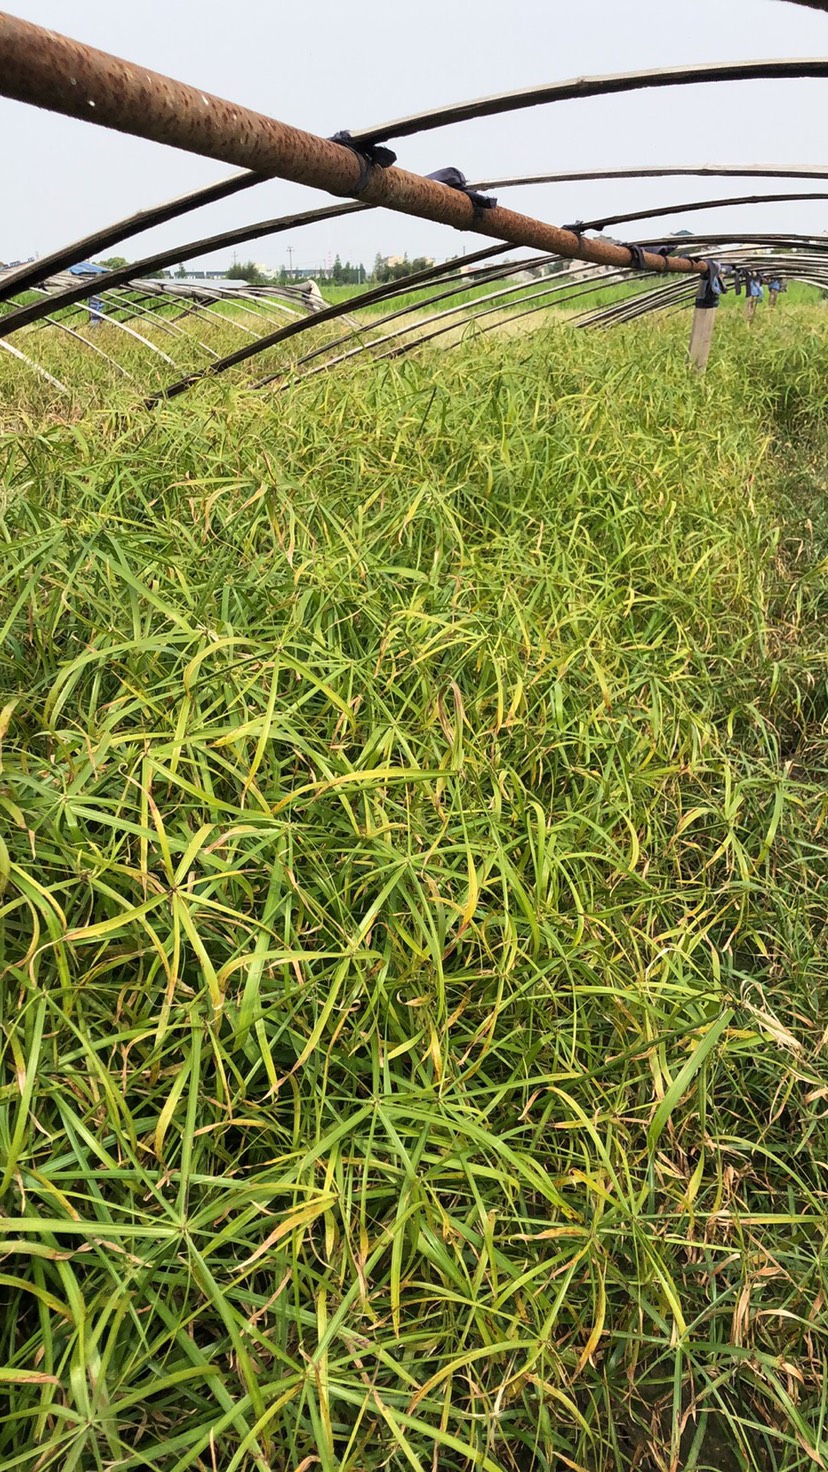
[[455, 179], [711, 285], [637, 262], [369, 155]]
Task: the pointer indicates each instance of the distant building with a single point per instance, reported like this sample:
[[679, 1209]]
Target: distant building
[[87, 268], [203, 276], [477, 268], [394, 261], [591, 266], [202, 279], [12, 265]]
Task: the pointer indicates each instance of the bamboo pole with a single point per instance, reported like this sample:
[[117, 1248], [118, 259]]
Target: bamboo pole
[[51, 71]]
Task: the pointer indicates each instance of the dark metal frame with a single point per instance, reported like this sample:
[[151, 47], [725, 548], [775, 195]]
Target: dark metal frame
[[53, 71]]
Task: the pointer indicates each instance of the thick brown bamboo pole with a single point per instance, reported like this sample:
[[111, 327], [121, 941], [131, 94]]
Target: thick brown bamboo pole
[[51, 71]]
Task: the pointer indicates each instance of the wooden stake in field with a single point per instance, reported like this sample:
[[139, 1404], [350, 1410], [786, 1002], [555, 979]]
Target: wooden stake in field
[[704, 318]]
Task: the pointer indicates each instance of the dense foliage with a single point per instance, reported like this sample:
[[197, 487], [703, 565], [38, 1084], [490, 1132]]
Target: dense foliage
[[413, 955]]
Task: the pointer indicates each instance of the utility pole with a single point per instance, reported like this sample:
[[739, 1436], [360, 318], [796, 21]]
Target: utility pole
[[290, 261]]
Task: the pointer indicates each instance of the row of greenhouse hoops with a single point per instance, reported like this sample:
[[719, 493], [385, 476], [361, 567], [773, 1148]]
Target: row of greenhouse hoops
[[54, 72]]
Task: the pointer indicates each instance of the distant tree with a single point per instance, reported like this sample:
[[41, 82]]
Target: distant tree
[[113, 263], [348, 275], [247, 271], [353, 275], [383, 271], [181, 273]]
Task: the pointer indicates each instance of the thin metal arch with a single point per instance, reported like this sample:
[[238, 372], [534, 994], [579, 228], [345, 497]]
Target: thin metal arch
[[354, 304], [122, 275], [662, 171], [566, 286], [21, 316], [457, 285], [191, 307], [119, 301], [32, 272], [575, 88], [30, 363], [201, 309], [691, 206], [567, 290], [122, 326], [474, 317], [627, 309], [696, 243], [340, 309], [203, 292], [92, 346], [134, 307], [578, 88]]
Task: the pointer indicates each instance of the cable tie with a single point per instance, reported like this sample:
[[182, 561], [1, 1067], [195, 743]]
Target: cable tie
[[370, 156], [455, 179], [637, 252], [711, 285]]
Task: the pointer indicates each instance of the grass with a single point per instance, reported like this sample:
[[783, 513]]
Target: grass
[[91, 363], [413, 957], [160, 345]]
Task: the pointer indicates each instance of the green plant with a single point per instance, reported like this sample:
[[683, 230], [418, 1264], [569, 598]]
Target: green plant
[[413, 932]]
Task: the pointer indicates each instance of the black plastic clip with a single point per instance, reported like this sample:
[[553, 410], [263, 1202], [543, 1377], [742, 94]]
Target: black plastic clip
[[370, 155], [577, 228], [638, 262], [711, 285], [455, 179]]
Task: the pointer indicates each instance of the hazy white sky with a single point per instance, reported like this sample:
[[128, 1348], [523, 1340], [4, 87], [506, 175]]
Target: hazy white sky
[[333, 64]]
